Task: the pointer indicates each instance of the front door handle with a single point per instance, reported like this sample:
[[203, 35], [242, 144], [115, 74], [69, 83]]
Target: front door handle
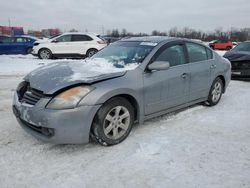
[[184, 75]]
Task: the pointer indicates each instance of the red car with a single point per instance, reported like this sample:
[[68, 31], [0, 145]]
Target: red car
[[221, 45]]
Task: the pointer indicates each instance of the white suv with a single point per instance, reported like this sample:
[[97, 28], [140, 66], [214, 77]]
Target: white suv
[[69, 45]]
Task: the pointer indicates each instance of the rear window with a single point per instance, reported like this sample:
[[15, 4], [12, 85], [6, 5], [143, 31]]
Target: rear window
[[9, 39], [76, 38], [196, 52]]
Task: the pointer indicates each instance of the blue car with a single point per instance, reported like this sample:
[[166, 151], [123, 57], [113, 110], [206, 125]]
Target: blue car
[[17, 45], [3, 37]]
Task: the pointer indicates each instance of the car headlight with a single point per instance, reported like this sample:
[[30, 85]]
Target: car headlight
[[69, 98]]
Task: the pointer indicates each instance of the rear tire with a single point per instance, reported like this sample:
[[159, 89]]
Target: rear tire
[[215, 92], [44, 54], [91, 52], [113, 122]]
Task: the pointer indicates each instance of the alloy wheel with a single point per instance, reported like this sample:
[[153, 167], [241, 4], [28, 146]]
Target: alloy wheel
[[216, 92], [116, 122]]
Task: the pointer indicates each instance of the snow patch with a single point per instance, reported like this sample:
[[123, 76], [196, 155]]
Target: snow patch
[[97, 66]]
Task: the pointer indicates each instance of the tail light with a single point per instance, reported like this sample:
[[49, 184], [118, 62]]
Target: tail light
[[101, 42]]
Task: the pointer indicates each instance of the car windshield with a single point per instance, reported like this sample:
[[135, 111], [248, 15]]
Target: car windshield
[[245, 46], [54, 36], [124, 53]]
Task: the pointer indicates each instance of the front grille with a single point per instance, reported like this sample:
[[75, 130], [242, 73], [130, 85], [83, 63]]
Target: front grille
[[240, 65], [29, 95], [32, 96]]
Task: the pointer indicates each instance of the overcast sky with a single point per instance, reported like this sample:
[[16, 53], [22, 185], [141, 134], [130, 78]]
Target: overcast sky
[[134, 15]]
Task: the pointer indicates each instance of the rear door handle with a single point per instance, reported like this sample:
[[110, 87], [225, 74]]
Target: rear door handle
[[184, 75]]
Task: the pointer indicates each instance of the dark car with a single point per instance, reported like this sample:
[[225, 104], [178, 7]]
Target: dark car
[[240, 60], [17, 45]]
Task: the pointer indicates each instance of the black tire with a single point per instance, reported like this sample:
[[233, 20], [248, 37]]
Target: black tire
[[212, 100], [44, 53], [99, 131], [91, 52], [228, 48], [29, 50]]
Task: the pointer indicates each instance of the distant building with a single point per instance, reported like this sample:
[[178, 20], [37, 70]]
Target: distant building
[[6, 30], [50, 32], [37, 34]]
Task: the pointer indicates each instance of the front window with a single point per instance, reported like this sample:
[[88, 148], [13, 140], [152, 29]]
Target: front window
[[20, 40], [64, 38], [242, 47], [124, 53], [174, 55]]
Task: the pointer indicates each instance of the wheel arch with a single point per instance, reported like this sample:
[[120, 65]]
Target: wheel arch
[[91, 49], [44, 48], [134, 101], [223, 81]]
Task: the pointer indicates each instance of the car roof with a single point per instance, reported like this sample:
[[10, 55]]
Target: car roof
[[159, 39], [79, 33], [153, 39]]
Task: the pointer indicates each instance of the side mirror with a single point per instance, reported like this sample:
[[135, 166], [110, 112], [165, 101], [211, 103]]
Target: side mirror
[[159, 65], [54, 41]]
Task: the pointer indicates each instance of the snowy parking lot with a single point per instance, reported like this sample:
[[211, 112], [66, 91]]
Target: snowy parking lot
[[199, 146]]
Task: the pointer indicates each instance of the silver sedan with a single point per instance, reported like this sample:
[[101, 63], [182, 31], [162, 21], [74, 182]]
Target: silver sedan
[[129, 81]]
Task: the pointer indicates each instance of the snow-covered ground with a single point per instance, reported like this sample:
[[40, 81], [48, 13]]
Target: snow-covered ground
[[197, 147]]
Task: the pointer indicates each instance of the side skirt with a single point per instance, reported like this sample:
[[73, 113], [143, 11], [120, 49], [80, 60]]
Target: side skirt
[[169, 110]]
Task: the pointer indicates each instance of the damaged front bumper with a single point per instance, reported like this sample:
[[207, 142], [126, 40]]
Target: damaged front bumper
[[69, 126]]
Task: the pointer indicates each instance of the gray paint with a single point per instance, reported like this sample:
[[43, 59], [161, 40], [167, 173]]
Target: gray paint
[[155, 92]]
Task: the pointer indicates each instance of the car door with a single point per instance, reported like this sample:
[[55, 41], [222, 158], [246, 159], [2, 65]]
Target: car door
[[19, 46], [5, 45], [62, 45], [200, 66], [81, 43], [168, 88]]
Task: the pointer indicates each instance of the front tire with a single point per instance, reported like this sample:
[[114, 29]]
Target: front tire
[[215, 92], [44, 54], [113, 122]]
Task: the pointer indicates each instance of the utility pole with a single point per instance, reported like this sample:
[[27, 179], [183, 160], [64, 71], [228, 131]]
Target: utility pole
[[102, 30], [9, 21]]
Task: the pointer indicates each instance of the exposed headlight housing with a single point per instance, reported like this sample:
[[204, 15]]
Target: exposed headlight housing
[[70, 98]]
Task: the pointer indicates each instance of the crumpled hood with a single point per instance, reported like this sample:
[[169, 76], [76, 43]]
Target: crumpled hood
[[237, 56], [56, 76]]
